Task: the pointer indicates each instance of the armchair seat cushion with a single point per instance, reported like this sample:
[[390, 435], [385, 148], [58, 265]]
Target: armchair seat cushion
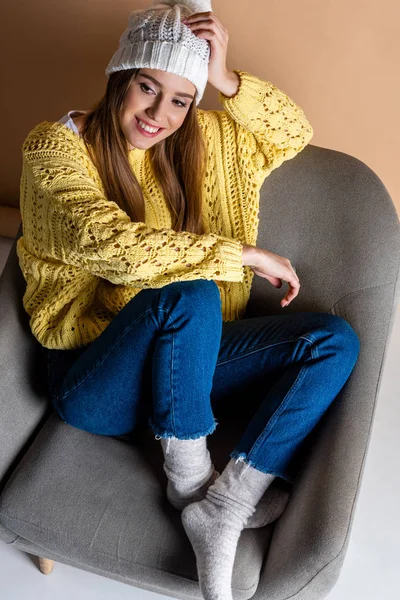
[[101, 501]]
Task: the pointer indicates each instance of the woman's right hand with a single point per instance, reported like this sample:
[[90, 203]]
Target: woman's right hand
[[273, 267]]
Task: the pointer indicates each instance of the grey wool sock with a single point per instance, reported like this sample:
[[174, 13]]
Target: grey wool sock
[[213, 525], [188, 467]]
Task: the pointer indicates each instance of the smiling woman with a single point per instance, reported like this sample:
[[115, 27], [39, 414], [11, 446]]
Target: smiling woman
[[153, 108], [128, 223]]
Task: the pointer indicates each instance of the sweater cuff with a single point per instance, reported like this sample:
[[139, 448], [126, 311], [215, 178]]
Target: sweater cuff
[[231, 257], [250, 95]]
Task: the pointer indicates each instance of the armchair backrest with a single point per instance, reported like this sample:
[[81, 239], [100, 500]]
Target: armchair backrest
[[332, 216]]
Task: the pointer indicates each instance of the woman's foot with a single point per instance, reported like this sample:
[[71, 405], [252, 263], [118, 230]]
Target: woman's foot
[[214, 524], [214, 533]]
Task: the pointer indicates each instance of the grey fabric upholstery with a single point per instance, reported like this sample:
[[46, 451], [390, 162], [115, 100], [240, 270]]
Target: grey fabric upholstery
[[98, 503], [102, 501]]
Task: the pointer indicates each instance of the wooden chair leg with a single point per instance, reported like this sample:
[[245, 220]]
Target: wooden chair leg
[[46, 565]]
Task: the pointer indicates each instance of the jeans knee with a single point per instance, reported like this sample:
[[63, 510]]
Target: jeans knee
[[201, 296], [348, 338]]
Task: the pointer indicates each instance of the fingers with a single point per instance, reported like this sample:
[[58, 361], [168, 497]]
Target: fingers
[[294, 288], [201, 16], [206, 21], [293, 282], [209, 35]]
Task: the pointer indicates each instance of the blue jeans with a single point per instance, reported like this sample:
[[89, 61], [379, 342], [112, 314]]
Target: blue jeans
[[168, 361]]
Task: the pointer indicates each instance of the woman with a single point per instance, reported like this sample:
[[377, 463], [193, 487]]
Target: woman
[[140, 222]]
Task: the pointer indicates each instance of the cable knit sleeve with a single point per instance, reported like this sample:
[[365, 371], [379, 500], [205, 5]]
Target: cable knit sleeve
[[78, 226], [269, 127]]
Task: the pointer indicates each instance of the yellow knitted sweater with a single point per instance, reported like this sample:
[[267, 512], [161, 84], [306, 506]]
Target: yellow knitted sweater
[[83, 258]]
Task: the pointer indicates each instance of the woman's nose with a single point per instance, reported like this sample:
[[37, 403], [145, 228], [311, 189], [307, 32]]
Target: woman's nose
[[157, 112]]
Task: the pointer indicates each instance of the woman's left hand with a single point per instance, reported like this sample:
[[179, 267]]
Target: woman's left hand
[[206, 25]]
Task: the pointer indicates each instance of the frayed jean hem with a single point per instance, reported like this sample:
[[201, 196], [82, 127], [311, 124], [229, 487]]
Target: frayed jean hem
[[163, 433], [242, 457]]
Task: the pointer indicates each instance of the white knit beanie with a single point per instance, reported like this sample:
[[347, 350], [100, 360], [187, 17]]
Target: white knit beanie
[[156, 38]]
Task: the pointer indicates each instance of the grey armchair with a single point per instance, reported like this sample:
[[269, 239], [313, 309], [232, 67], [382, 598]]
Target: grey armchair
[[98, 503]]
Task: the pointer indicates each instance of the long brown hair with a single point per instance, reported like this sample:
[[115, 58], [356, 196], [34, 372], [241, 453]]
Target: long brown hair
[[178, 161]]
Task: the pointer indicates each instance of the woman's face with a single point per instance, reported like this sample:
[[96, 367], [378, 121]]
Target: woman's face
[[161, 100]]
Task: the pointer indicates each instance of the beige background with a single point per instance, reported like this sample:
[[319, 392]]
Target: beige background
[[338, 60]]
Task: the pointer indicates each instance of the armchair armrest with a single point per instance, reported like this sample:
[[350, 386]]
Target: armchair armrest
[[23, 392]]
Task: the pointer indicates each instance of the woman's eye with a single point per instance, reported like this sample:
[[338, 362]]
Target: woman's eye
[[143, 85], [181, 103]]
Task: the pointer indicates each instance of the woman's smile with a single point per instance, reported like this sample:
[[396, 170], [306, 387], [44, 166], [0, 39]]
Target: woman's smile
[[147, 130]]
